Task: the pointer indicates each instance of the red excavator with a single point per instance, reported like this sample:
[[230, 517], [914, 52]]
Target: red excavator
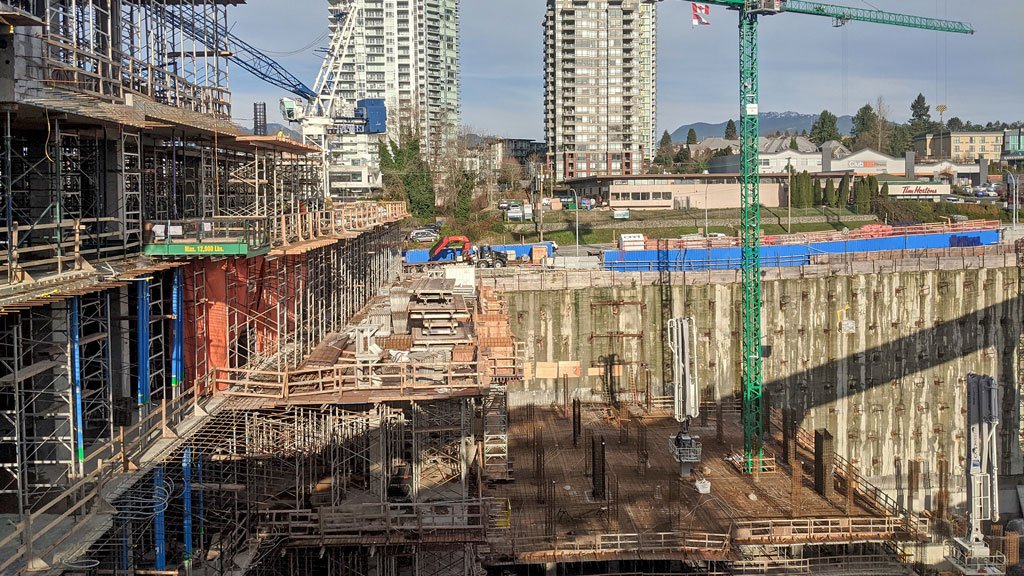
[[462, 252]]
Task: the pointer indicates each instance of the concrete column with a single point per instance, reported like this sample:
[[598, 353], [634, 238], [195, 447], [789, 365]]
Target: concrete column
[[823, 460]]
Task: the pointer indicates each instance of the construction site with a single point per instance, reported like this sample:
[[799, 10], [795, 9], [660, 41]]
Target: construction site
[[207, 366]]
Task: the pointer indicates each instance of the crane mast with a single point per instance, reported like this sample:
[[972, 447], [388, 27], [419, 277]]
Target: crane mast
[[750, 216]]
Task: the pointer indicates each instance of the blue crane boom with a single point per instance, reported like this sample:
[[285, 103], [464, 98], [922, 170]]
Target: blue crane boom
[[215, 35]]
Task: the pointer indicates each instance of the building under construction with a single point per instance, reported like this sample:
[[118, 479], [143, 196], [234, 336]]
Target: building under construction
[[206, 367]]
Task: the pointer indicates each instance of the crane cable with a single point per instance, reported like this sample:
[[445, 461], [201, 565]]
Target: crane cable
[[315, 41]]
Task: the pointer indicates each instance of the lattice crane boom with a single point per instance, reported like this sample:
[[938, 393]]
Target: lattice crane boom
[[749, 10], [215, 35]]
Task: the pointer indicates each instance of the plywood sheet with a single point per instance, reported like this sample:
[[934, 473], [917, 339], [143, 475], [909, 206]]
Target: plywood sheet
[[547, 369], [569, 369]]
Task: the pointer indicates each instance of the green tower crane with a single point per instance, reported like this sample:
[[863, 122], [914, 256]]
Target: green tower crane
[[749, 11]]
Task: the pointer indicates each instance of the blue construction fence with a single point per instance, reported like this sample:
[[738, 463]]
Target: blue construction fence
[[776, 256], [520, 250]]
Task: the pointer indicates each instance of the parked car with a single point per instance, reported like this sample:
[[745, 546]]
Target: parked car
[[503, 205], [423, 235]]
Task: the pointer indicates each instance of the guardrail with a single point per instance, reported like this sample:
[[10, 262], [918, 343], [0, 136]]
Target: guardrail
[[399, 378], [338, 220], [276, 230], [853, 564], [361, 520], [864, 233], [118, 455], [796, 531], [876, 498], [251, 230], [680, 541]]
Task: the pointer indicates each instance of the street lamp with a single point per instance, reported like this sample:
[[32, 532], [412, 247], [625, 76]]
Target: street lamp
[[1015, 180], [577, 197], [941, 108]]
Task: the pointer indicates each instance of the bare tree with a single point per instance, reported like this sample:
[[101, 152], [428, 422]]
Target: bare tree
[[882, 129], [511, 173]]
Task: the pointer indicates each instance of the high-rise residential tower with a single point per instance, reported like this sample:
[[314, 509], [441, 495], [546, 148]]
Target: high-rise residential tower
[[599, 86], [404, 52]]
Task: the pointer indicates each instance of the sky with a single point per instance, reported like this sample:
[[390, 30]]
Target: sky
[[806, 64]]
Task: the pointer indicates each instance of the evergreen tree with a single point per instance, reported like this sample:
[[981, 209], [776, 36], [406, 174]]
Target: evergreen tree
[[862, 196], [900, 141], [691, 136], [873, 186], [665, 150], [730, 130], [920, 117], [831, 198], [817, 198], [406, 176], [792, 144], [954, 124], [824, 128], [682, 155], [466, 182], [843, 194], [885, 191]]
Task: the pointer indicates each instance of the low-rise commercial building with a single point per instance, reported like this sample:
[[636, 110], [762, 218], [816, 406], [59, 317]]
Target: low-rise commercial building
[[960, 146], [677, 191], [1013, 146], [866, 162]]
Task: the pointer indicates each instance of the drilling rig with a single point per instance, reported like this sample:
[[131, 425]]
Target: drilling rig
[[971, 555]]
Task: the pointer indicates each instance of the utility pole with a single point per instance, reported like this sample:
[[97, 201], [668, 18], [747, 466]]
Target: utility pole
[[789, 196]]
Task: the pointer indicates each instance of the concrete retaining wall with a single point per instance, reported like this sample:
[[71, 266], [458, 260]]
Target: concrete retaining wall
[[892, 392]]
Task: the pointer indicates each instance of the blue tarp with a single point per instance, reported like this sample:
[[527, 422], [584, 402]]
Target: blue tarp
[[774, 256]]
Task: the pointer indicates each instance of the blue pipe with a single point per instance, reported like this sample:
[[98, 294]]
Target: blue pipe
[[124, 546], [202, 504], [76, 378], [186, 472], [142, 324], [178, 336], [160, 501]]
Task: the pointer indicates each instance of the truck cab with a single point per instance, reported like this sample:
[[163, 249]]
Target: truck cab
[[487, 257]]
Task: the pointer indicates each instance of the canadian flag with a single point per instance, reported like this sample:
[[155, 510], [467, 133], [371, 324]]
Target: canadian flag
[[699, 13]]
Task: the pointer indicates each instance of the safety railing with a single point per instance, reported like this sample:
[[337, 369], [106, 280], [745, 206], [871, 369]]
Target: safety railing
[[678, 265], [121, 454], [361, 520], [338, 220], [680, 541], [253, 231], [866, 232], [48, 248], [394, 378], [873, 497], [795, 531], [975, 564], [849, 563]]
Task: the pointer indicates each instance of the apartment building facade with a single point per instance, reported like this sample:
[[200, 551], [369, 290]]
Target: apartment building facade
[[960, 146], [600, 86], [404, 52]]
